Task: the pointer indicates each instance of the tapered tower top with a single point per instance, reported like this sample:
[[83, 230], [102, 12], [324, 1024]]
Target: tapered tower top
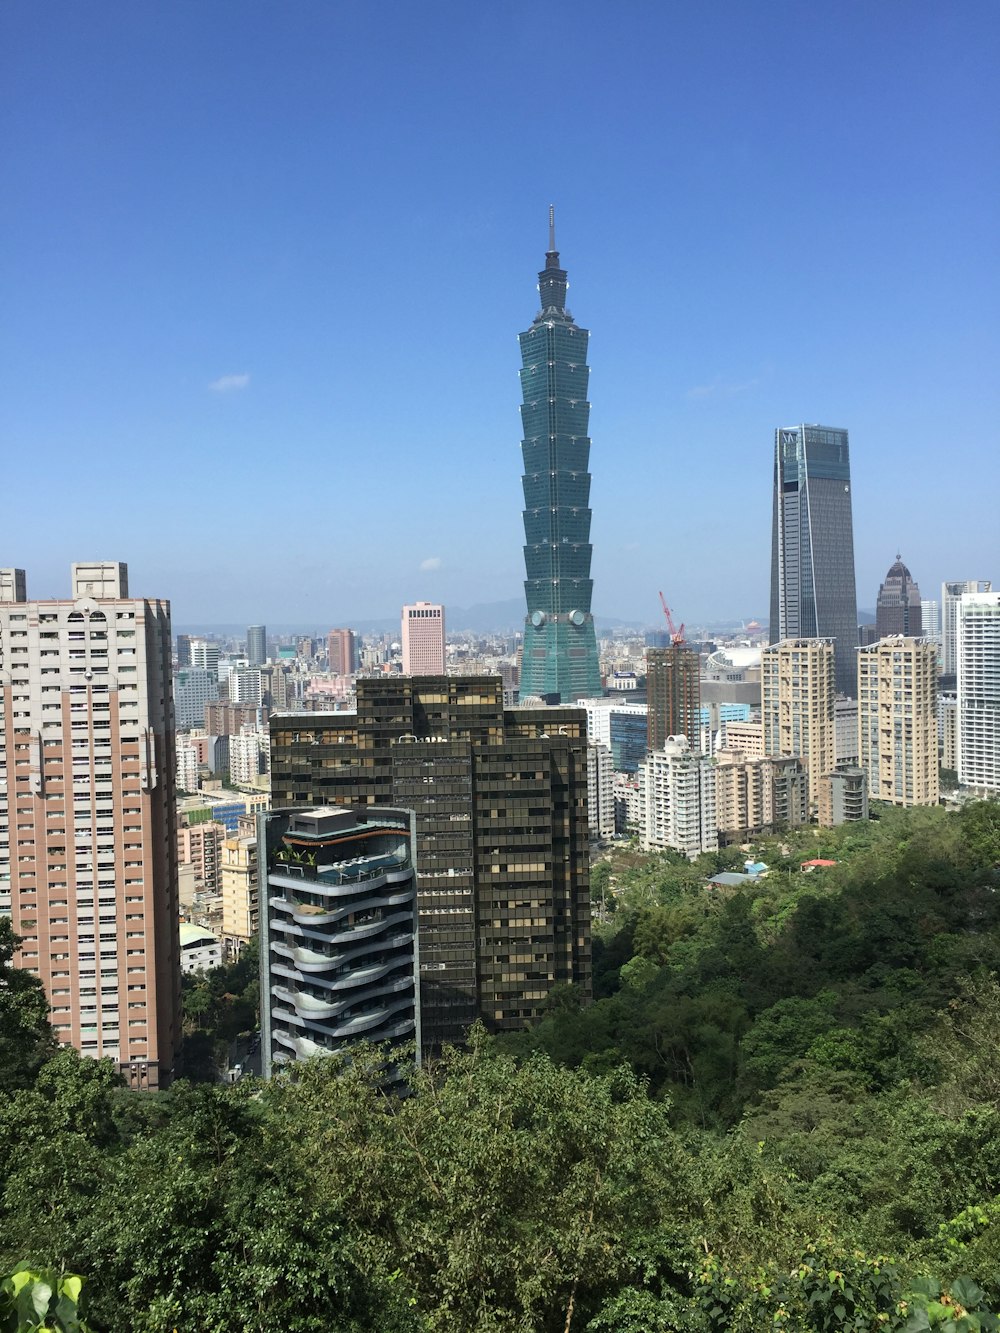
[[552, 281]]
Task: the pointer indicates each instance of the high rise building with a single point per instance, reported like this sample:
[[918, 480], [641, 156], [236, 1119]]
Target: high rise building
[[813, 593], [257, 645], [559, 658], [338, 946], [952, 592], [239, 884], [930, 619], [205, 654], [757, 795], [620, 725], [226, 719], [600, 791], [673, 693], [978, 660], [342, 652], [194, 688], [423, 639], [899, 609], [677, 799], [897, 720], [88, 855], [184, 650], [798, 690], [501, 804]]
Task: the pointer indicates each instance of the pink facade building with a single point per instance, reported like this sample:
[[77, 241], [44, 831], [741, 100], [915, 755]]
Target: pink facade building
[[342, 652], [423, 639]]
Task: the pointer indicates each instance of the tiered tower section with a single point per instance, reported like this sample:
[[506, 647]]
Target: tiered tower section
[[560, 660]]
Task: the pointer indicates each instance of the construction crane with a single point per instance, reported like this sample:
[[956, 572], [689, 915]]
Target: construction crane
[[676, 635]]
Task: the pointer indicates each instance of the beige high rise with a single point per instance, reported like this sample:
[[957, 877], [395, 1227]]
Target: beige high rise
[[755, 796], [897, 720], [797, 694], [88, 854]]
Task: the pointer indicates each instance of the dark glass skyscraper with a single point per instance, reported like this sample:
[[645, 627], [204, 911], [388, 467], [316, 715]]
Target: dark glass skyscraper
[[560, 646], [812, 545]]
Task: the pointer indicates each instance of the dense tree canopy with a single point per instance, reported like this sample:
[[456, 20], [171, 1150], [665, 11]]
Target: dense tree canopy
[[782, 1111]]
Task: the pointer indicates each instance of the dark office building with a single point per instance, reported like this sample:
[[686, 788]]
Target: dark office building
[[184, 649], [673, 695], [501, 822], [813, 592], [897, 610], [559, 659]]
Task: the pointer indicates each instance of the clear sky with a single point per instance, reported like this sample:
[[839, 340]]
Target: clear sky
[[263, 264]]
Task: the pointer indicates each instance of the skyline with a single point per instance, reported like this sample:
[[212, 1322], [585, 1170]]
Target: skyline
[[244, 244]]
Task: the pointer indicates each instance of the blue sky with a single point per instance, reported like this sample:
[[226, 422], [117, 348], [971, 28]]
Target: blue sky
[[262, 267]]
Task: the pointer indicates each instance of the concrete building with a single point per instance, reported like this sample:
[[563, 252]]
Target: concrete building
[[88, 859], [952, 592], [732, 675], [845, 731], [227, 719], [249, 755], [342, 652], [898, 609], [188, 761], [673, 695], [600, 791], [897, 720], [240, 889], [200, 846], [256, 645], [201, 948], [754, 795], [799, 687], [930, 618], [948, 730], [246, 686], [747, 737], [813, 593], [501, 805], [205, 654], [843, 796], [194, 689], [677, 796], [339, 952], [978, 661], [620, 725], [423, 639]]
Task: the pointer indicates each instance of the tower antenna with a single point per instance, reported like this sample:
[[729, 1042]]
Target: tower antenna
[[552, 228]]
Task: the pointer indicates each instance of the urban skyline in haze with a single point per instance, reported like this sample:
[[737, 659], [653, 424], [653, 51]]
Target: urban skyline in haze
[[258, 260]]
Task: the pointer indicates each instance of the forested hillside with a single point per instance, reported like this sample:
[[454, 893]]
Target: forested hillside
[[782, 1111]]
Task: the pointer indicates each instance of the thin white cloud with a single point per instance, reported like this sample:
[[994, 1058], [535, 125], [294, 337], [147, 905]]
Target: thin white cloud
[[229, 383], [432, 562], [719, 389]]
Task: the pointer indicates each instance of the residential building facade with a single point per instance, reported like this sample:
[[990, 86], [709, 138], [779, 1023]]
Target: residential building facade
[[798, 688], [897, 720], [88, 856], [677, 795], [978, 719]]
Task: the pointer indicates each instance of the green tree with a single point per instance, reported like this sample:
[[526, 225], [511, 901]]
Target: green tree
[[26, 1039]]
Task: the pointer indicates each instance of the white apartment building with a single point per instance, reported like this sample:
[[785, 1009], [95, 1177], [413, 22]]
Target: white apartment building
[[978, 660], [188, 760], [600, 791], [249, 753], [88, 856], [952, 592], [677, 794]]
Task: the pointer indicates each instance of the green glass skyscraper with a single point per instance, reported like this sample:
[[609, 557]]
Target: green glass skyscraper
[[560, 647]]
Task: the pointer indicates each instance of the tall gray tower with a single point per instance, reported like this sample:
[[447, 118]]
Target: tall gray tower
[[813, 593]]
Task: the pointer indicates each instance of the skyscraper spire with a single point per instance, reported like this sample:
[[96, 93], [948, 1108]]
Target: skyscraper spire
[[559, 660]]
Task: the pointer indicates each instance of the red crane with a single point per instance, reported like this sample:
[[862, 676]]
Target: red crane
[[676, 635]]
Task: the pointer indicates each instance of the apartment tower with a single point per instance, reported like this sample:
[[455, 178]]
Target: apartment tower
[[813, 592], [952, 592], [897, 720], [559, 660], [88, 855], [978, 716], [423, 639], [500, 797], [798, 687]]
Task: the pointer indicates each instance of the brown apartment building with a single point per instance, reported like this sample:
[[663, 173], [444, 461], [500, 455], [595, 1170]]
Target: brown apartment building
[[500, 797], [88, 853]]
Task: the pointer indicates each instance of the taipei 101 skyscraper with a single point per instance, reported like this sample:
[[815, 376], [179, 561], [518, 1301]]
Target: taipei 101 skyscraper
[[560, 647]]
